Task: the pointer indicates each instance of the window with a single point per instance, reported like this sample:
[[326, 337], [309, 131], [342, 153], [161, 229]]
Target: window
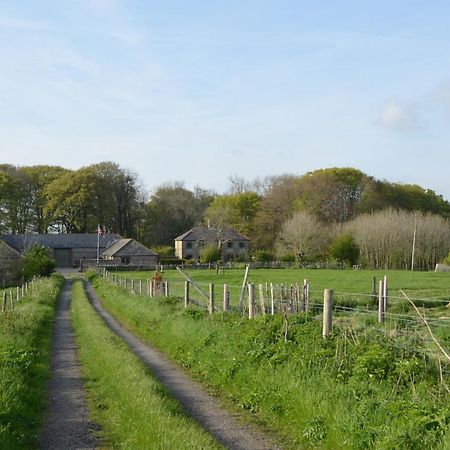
[[241, 244], [188, 244], [125, 260], [230, 245]]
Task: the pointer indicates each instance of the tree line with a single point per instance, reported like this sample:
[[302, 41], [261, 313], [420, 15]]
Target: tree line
[[339, 213]]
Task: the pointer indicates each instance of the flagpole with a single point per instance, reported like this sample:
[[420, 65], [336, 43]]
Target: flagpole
[[98, 243]]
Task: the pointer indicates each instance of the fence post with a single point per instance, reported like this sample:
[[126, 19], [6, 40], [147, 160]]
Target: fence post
[[251, 301], [132, 286], [374, 289], [140, 287], [272, 300], [211, 298], [150, 288], [17, 294], [327, 312], [261, 300], [186, 293], [4, 301], [11, 299], [166, 289], [385, 294], [381, 303], [226, 298]]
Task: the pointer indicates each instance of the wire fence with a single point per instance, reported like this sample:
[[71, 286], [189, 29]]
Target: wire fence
[[399, 327]]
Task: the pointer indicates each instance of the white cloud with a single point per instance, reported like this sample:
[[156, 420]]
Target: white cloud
[[400, 116]]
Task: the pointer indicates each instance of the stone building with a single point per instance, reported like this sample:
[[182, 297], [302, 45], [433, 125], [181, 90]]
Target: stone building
[[235, 246], [130, 252], [72, 249], [8, 256]]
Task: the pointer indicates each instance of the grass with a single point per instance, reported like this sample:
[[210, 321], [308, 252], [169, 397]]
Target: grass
[[345, 283], [132, 408], [356, 390], [25, 348]]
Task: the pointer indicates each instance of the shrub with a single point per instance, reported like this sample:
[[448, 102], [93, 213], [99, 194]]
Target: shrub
[[210, 253], [36, 262], [263, 256], [344, 249]]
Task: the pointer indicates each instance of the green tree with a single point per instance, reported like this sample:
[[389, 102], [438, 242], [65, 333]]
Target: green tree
[[36, 262], [344, 249], [210, 253]]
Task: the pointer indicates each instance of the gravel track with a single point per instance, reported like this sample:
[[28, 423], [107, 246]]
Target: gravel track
[[67, 424], [196, 402]]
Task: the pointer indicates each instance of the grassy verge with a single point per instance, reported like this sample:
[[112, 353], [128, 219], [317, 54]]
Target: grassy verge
[[131, 407], [353, 391], [25, 342]]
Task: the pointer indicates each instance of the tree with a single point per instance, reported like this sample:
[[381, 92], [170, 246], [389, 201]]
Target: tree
[[210, 253], [304, 237], [36, 262], [237, 211], [344, 249], [171, 211]]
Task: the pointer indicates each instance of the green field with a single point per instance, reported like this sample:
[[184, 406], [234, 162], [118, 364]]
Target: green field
[[346, 283]]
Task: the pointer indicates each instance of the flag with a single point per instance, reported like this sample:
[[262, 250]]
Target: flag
[[100, 232]]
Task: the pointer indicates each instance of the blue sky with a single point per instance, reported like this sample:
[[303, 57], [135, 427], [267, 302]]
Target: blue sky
[[201, 90]]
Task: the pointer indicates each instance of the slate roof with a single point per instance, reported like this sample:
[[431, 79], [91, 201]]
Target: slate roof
[[63, 240], [138, 248], [202, 233]]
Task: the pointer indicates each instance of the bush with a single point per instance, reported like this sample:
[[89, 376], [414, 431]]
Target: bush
[[446, 260], [344, 249], [262, 256], [164, 250], [36, 262], [210, 253]]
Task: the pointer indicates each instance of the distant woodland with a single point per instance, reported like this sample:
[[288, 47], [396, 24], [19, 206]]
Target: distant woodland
[[336, 214]]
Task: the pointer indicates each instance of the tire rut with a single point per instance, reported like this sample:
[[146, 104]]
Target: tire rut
[[196, 402], [67, 424]]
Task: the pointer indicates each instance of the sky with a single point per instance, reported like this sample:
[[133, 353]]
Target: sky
[[198, 91]]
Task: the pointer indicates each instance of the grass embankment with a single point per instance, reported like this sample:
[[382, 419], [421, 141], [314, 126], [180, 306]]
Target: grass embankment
[[25, 348], [131, 407], [353, 391], [345, 283]]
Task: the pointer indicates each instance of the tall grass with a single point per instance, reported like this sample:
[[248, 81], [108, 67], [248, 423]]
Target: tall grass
[[25, 338], [353, 391], [132, 408]]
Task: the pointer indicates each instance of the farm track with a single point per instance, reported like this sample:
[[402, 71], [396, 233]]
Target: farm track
[[221, 424], [67, 425]]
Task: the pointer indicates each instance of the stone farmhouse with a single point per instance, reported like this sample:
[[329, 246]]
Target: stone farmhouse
[[8, 256], [71, 250], [235, 246]]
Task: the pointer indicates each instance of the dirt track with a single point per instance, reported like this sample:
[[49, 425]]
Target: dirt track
[[195, 401], [67, 425]]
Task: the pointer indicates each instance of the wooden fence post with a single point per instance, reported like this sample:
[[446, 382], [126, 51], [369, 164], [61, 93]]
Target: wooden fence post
[[327, 312], [166, 289], [251, 301], [150, 288], [385, 294], [11, 299], [272, 300], [381, 303], [211, 298], [226, 298], [261, 300], [186, 293], [4, 301], [132, 286], [374, 289], [140, 287]]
